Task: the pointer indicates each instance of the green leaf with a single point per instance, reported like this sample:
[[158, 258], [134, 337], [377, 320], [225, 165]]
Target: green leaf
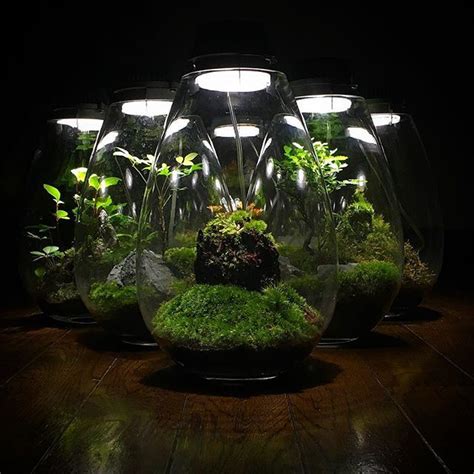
[[50, 249], [179, 159], [40, 272], [188, 159], [110, 181], [94, 182], [103, 202], [80, 174], [36, 252], [62, 215], [52, 191]]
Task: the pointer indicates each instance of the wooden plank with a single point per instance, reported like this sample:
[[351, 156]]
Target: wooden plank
[[42, 399], [24, 336], [229, 431], [451, 332], [129, 423], [435, 395], [349, 424]]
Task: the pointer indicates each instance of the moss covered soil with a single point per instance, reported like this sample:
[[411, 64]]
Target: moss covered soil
[[226, 317]]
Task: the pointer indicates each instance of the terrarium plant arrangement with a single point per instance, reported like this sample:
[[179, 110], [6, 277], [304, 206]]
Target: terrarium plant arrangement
[[364, 207], [57, 178], [107, 227], [213, 282], [419, 204]]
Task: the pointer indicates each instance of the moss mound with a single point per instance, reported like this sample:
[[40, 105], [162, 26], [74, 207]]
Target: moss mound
[[222, 317], [181, 260], [365, 295], [110, 297]]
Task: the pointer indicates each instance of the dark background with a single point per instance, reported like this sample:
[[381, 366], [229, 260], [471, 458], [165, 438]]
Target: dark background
[[422, 55]]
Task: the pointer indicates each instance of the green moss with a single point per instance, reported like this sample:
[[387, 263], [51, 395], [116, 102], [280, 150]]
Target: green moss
[[416, 274], [368, 279], [181, 260], [220, 317], [109, 297], [365, 295], [63, 294], [300, 258]]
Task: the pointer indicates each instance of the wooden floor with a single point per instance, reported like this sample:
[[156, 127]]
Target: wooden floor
[[73, 400]]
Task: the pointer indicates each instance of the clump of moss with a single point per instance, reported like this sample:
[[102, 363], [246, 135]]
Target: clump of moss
[[366, 292], [416, 274], [226, 317], [234, 249], [300, 257], [109, 297], [181, 260], [363, 235]]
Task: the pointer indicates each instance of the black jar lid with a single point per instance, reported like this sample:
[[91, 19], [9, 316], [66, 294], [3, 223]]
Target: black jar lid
[[316, 86], [87, 111], [231, 60], [154, 90]]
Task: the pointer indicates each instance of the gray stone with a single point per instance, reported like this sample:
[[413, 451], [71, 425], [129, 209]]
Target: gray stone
[[157, 274], [287, 269], [124, 273]]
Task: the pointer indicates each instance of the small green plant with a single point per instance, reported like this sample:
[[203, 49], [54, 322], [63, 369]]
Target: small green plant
[[223, 317], [56, 195]]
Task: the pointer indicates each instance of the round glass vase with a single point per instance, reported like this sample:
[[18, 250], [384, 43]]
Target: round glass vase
[[47, 249], [106, 231], [236, 257], [419, 206], [367, 221]]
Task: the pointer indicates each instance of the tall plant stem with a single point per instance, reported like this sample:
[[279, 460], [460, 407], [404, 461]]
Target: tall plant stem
[[240, 154]]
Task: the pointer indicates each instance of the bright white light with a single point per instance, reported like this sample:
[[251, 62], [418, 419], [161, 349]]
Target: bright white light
[[147, 108], [293, 121], [270, 167], [234, 81], [82, 124], [258, 185], [128, 179], [265, 146], [300, 179], [361, 134], [323, 105], [205, 166], [176, 126], [107, 140], [218, 185], [174, 179], [194, 180], [361, 182], [227, 131], [381, 120]]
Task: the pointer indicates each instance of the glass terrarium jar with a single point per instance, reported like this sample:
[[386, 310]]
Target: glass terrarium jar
[[106, 231], [368, 229], [234, 194], [419, 205], [47, 250]]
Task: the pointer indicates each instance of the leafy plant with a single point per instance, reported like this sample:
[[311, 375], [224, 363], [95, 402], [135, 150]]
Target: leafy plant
[[56, 195]]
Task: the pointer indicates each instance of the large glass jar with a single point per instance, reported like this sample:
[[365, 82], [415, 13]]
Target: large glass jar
[[368, 229], [106, 231], [47, 251], [419, 205], [234, 195]]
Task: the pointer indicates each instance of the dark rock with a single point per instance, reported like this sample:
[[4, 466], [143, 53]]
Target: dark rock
[[287, 270], [248, 259], [124, 273]]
